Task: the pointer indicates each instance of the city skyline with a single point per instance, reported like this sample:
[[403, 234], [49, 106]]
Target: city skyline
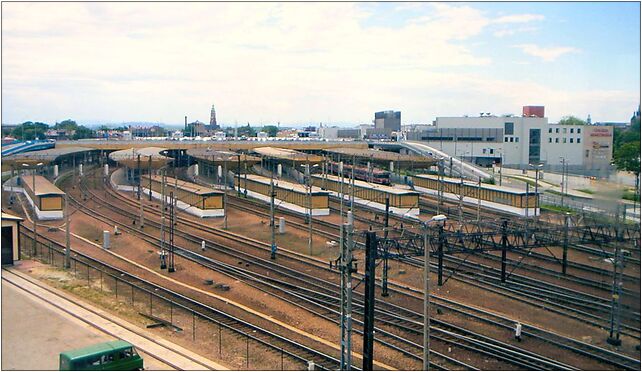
[[301, 63]]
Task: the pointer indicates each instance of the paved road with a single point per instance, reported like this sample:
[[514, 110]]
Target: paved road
[[34, 333]]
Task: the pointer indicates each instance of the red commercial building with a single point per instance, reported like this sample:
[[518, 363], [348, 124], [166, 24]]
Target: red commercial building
[[530, 111]]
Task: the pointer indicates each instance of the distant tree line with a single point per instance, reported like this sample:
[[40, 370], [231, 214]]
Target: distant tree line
[[36, 130]]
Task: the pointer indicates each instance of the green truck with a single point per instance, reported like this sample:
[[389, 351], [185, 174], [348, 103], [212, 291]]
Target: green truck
[[106, 356]]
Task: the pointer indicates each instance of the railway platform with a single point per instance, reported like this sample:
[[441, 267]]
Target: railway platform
[[37, 317]]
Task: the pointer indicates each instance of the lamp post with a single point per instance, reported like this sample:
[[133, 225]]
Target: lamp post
[[537, 168], [426, 354], [563, 161], [501, 166], [35, 214]]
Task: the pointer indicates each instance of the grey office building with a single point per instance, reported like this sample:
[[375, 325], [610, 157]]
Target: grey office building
[[388, 119]]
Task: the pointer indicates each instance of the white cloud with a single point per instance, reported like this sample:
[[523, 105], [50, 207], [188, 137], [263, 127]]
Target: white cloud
[[519, 18], [512, 31], [257, 62], [548, 54]]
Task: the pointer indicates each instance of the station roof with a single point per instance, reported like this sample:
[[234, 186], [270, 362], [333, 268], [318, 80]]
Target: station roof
[[11, 217], [220, 156], [386, 189], [287, 154], [185, 185], [129, 157], [44, 156], [43, 186], [506, 189], [382, 156], [296, 187], [307, 144]]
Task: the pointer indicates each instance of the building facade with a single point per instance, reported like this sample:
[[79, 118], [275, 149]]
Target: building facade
[[390, 120], [520, 141]]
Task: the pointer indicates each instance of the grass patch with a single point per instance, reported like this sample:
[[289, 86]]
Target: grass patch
[[554, 192], [586, 191], [629, 195], [530, 182], [557, 208]]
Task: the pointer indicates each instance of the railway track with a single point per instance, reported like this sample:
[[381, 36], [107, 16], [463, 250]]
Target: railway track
[[428, 204], [561, 300], [592, 353], [580, 280], [242, 328], [452, 337]]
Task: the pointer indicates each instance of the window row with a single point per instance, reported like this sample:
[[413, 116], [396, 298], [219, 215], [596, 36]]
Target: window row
[[572, 130], [511, 139], [570, 140]]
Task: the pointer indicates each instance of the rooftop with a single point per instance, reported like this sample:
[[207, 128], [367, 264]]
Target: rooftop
[[287, 154], [382, 155], [43, 186], [129, 157], [374, 186], [221, 155], [45, 156], [296, 187], [184, 185], [510, 190], [11, 217]]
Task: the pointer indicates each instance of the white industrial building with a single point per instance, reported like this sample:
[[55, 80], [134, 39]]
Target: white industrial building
[[518, 141]]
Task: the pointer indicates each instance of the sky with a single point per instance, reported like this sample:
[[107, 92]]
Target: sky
[[310, 63]]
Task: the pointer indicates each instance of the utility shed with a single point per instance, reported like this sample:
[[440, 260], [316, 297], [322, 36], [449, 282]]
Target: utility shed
[[45, 197], [288, 195], [10, 238]]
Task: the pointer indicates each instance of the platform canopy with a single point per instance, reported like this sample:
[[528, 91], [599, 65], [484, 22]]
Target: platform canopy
[[382, 157], [219, 157], [288, 155], [43, 186], [153, 155], [44, 156]]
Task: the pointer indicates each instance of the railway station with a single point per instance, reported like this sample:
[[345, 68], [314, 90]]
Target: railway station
[[267, 186], [256, 281]]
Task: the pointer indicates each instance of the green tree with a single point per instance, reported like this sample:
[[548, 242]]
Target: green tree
[[83, 132], [67, 124], [627, 157], [271, 130], [29, 131], [247, 131], [571, 120]]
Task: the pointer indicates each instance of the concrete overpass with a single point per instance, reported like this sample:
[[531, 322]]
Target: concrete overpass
[[469, 170]]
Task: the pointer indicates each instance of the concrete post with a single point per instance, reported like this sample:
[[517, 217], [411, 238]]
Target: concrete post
[[56, 171], [106, 239], [281, 225]]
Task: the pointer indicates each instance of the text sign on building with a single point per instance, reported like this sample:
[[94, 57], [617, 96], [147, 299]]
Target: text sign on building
[[601, 132]]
